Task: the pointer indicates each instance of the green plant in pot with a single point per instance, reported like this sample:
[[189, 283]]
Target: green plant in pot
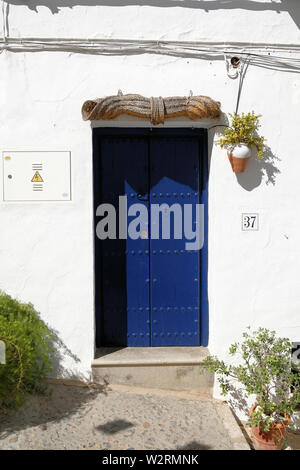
[[240, 138], [263, 370]]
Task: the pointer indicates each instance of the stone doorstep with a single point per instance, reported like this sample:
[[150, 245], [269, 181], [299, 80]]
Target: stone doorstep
[[159, 356], [172, 368]]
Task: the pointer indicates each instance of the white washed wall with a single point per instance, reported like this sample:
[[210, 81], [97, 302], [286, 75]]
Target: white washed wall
[[46, 249]]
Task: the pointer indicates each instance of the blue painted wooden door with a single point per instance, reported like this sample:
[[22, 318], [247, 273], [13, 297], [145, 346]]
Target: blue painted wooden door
[[148, 288]]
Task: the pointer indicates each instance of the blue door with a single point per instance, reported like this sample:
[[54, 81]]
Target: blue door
[[150, 290]]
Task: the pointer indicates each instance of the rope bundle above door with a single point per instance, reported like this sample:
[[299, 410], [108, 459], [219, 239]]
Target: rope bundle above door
[[155, 109]]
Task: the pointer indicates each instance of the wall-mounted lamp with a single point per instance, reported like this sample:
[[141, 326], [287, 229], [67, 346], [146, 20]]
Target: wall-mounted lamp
[[235, 62], [232, 66]]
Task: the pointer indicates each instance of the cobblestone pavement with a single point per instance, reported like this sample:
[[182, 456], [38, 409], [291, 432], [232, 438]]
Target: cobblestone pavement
[[73, 417]]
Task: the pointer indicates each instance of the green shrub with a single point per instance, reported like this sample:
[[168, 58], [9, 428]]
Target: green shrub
[[265, 370], [244, 129], [29, 350]]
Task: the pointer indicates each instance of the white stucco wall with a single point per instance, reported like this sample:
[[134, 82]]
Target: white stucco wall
[[46, 249]]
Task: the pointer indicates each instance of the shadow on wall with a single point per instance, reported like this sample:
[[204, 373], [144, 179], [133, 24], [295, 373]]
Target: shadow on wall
[[257, 169], [237, 400], [61, 352], [290, 6]]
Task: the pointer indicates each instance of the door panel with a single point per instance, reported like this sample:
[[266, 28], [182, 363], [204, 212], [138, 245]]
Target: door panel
[[175, 293], [125, 263]]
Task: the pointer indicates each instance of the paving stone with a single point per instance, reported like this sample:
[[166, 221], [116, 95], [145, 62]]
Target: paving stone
[[102, 418]]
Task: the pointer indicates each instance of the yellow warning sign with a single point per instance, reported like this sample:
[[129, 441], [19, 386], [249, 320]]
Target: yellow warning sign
[[37, 178]]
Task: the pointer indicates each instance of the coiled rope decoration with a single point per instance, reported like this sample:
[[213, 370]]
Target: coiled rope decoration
[[155, 109]]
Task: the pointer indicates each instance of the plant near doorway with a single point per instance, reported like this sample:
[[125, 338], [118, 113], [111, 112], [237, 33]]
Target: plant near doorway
[[264, 371], [28, 352], [240, 138]]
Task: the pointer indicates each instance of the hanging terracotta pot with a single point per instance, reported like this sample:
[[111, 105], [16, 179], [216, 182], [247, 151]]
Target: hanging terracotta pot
[[270, 440], [238, 157]]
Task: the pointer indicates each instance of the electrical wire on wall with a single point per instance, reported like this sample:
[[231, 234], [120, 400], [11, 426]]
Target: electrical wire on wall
[[236, 67], [242, 74], [262, 55], [237, 56]]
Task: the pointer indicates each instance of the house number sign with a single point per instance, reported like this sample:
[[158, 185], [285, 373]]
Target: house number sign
[[249, 221]]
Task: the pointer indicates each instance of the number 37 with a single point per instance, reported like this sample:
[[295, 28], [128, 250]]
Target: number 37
[[249, 221]]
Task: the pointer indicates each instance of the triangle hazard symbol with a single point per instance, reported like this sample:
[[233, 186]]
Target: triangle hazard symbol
[[37, 178]]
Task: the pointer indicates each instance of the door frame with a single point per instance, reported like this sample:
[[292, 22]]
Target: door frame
[[148, 131]]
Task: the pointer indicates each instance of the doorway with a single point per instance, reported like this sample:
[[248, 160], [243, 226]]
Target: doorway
[[150, 290]]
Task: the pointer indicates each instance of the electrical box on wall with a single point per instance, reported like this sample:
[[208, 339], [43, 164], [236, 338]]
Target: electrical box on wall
[[36, 176]]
